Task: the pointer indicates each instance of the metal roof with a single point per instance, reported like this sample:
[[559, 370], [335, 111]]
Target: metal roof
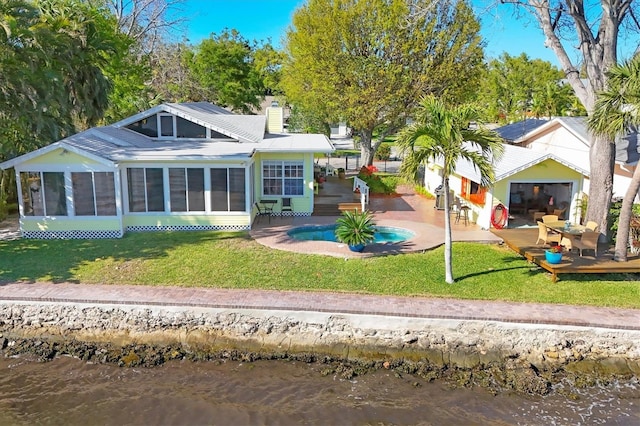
[[118, 143], [514, 131], [514, 160]]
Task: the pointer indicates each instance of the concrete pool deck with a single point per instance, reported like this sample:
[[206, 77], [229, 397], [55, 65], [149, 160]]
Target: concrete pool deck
[[408, 210]]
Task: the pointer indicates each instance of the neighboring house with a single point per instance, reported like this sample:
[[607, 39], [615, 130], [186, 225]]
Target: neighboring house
[[191, 166], [568, 138], [526, 181]]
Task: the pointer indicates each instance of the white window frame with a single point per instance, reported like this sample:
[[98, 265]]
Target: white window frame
[[283, 179]]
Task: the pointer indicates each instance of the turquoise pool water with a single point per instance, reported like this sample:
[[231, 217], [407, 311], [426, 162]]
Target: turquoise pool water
[[384, 234]]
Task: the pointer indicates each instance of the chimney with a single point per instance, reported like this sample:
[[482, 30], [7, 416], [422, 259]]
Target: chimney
[[275, 118]]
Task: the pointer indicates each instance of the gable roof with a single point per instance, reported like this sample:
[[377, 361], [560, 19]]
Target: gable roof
[[118, 143], [627, 147], [514, 131], [514, 160], [244, 128]]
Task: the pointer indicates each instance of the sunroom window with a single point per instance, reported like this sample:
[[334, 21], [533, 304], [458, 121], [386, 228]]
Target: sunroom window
[[43, 194], [186, 187], [228, 189], [146, 189], [94, 193]]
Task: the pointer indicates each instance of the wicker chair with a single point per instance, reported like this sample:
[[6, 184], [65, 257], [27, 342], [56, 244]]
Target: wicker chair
[[545, 236], [588, 241]]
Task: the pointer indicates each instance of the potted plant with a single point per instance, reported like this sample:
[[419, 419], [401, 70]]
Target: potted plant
[[341, 173], [554, 254], [355, 229]]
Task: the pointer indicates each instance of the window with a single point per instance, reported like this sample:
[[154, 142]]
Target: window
[[472, 191], [166, 125], [186, 188], [189, 129], [282, 178], [44, 194], [146, 189], [228, 190], [94, 193], [148, 126]]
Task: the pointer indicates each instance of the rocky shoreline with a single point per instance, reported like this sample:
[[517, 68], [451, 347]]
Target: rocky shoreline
[[498, 356]]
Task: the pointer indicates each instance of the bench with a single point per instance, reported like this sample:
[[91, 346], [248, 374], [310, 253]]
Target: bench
[[350, 206]]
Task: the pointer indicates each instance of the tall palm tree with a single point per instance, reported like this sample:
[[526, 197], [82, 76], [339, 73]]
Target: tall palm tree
[[443, 133], [616, 113]]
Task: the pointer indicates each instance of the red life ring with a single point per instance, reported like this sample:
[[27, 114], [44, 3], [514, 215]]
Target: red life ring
[[499, 216]]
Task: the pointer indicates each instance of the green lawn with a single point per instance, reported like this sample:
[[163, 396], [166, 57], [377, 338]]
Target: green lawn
[[233, 260]]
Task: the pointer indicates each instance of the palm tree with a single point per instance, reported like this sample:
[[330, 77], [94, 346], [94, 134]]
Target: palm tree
[[616, 113], [442, 133]]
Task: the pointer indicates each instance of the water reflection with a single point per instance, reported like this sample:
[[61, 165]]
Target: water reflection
[[70, 392]]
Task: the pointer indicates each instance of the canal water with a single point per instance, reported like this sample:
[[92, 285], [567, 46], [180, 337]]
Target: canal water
[[68, 391]]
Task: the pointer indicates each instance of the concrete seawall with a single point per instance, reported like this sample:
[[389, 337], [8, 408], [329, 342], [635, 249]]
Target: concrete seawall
[[450, 343]]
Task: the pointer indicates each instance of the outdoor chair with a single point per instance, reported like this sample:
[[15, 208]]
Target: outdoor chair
[[286, 205], [566, 243], [591, 225], [262, 212], [543, 234], [549, 218], [588, 241], [559, 213]]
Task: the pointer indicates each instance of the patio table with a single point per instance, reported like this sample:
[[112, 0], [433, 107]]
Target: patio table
[[268, 205], [572, 231]]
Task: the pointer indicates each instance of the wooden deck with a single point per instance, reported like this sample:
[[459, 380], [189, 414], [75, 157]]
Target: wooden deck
[[523, 241]]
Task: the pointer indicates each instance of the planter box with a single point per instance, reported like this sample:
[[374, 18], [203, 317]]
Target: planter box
[[553, 258]]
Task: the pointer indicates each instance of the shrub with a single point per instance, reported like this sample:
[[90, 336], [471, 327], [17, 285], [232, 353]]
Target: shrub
[[355, 228]]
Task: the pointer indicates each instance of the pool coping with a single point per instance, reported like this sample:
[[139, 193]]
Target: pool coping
[[427, 237]]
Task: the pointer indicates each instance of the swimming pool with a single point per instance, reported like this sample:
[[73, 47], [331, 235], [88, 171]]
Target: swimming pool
[[384, 234]]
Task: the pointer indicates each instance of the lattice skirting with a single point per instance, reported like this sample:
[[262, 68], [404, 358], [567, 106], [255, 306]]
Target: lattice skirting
[[71, 235], [187, 228], [287, 213]]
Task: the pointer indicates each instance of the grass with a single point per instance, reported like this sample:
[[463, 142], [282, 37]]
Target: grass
[[233, 260]]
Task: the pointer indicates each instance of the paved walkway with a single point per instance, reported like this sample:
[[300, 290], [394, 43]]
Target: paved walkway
[[418, 307]]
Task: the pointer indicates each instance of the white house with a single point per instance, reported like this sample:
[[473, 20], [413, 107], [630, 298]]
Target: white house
[[190, 166], [527, 182], [568, 138]]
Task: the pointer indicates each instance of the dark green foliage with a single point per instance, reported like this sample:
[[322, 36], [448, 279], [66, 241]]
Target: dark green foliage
[[355, 228]]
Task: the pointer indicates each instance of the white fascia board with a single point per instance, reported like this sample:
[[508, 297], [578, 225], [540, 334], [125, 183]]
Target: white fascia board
[[49, 148], [538, 161], [210, 126], [555, 122], [139, 116]]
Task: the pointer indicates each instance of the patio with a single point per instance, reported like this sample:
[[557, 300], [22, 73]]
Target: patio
[[522, 241], [406, 210]]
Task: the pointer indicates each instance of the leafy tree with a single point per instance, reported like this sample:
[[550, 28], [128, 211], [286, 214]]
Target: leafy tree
[[592, 28], [225, 66], [51, 55], [368, 62], [617, 112], [442, 132], [516, 87]]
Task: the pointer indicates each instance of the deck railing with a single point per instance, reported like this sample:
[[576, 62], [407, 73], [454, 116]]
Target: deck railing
[[362, 187]]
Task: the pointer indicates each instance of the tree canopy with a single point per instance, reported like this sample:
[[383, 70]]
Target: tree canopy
[[518, 87], [369, 62]]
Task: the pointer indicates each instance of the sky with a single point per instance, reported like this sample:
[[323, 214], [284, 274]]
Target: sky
[[269, 19]]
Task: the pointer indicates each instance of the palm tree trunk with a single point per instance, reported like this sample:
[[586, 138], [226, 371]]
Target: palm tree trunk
[[624, 221], [448, 264]]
